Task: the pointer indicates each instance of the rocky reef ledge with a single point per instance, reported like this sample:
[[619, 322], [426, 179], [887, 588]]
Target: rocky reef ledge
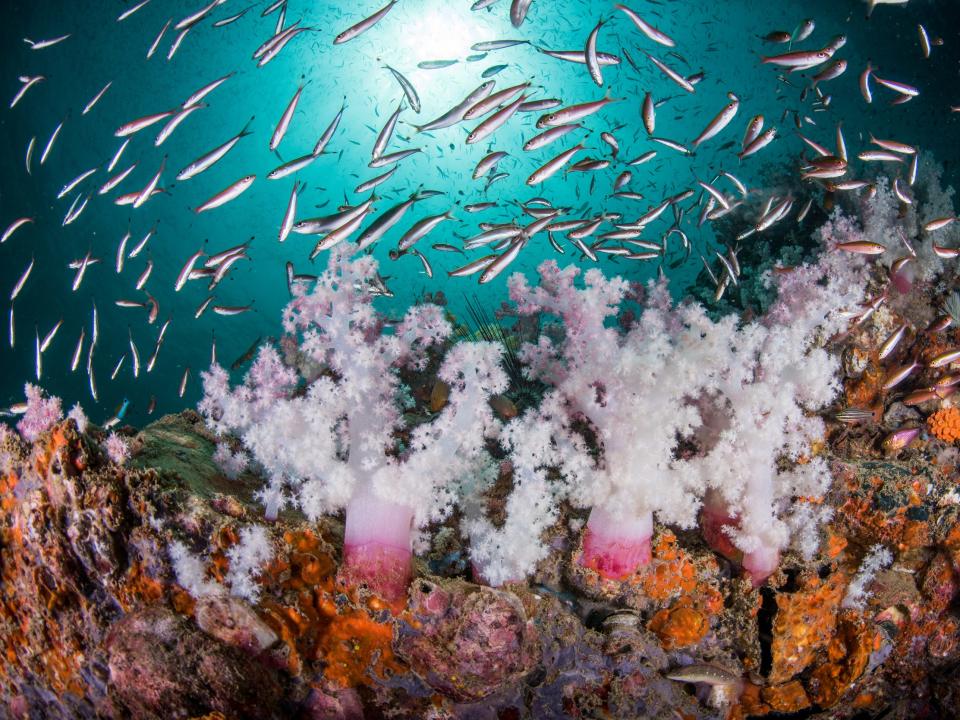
[[94, 624]]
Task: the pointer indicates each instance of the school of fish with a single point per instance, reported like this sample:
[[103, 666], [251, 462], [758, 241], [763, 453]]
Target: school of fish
[[805, 60]]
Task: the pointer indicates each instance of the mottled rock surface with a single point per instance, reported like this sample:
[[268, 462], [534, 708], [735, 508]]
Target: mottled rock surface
[[94, 624]]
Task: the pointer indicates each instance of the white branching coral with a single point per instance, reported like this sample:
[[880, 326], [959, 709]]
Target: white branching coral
[[323, 422], [877, 558], [680, 409], [247, 560]]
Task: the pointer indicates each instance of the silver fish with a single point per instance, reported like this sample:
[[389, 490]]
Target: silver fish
[[646, 28], [186, 270], [158, 38], [456, 113], [205, 162], [229, 193], [49, 146], [131, 10], [65, 190], [48, 338], [518, 11], [290, 167], [500, 263], [192, 19], [116, 180], [408, 90], [361, 27], [290, 215], [590, 54], [285, 119], [96, 98], [13, 227], [386, 132], [78, 351], [328, 133], [27, 83], [720, 121], [421, 229], [28, 159], [21, 281]]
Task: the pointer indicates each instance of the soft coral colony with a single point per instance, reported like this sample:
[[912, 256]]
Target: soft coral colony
[[672, 416]]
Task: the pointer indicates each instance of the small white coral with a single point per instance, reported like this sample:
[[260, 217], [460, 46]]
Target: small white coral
[[247, 558], [191, 572], [117, 448], [79, 417], [232, 463], [877, 558]]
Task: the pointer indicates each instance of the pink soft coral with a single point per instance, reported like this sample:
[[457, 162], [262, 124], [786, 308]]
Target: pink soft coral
[[42, 413], [117, 449]]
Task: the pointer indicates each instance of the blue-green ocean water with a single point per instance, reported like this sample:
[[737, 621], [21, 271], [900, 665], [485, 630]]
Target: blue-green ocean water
[[719, 38]]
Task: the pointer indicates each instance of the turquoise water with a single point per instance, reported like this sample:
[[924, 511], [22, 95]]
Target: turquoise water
[[720, 39]]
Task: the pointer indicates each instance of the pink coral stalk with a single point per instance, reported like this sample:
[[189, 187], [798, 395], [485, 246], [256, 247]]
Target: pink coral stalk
[[616, 548], [718, 526], [376, 545]]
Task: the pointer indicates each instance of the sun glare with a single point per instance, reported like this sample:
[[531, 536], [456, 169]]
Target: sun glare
[[443, 33]]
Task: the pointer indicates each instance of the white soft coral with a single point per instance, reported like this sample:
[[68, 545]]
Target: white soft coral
[[325, 431]]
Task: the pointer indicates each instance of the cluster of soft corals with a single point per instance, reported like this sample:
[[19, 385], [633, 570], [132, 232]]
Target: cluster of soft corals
[[324, 424], [681, 409], [673, 415]]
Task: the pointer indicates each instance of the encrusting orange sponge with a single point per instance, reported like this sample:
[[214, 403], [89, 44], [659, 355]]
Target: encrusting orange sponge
[[945, 424]]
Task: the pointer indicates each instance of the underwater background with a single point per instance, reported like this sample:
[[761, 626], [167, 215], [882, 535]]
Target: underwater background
[[721, 39]]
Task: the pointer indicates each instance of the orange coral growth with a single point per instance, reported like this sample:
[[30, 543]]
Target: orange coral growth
[[804, 624], [354, 646], [945, 424], [138, 588], [787, 698], [889, 528], [750, 704], [952, 543], [865, 392], [836, 544], [679, 626], [848, 654], [670, 572]]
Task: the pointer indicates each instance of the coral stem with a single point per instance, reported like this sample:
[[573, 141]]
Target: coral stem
[[616, 548], [377, 545]]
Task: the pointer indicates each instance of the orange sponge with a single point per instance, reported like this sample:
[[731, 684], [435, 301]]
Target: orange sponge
[[945, 424]]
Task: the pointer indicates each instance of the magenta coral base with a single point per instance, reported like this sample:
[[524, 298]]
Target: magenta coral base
[[758, 566], [713, 520], [385, 569], [614, 558]]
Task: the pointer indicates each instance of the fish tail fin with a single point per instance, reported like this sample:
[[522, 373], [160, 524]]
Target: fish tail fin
[[246, 128]]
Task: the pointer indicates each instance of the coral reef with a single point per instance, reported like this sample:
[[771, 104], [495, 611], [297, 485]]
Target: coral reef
[[96, 623], [784, 527]]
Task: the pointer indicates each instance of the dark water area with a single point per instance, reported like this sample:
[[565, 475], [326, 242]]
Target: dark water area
[[720, 39]]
